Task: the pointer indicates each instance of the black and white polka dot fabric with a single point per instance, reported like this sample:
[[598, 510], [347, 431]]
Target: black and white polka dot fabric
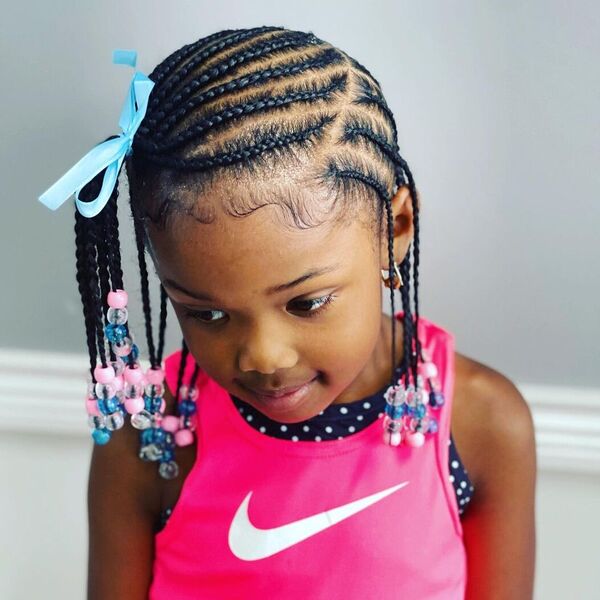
[[338, 421]]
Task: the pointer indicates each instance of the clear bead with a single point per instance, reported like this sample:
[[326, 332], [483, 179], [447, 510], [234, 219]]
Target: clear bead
[[132, 390], [96, 421], [419, 425], [392, 424], [142, 420], [150, 452], [104, 391], [115, 421], [122, 347], [411, 396], [118, 366], [117, 316], [168, 470], [154, 390]]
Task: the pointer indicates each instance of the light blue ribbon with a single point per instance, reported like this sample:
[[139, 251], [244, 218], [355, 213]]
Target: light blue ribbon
[[108, 155]]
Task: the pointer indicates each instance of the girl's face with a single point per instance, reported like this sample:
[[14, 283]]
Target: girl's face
[[264, 307]]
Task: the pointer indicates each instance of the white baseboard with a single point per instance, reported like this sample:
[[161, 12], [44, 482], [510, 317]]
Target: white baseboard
[[43, 393]]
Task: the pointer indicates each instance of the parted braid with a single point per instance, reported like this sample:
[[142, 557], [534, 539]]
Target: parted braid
[[239, 100]]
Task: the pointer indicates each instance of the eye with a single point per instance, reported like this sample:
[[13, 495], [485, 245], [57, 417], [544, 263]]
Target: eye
[[202, 315], [311, 307], [315, 306]]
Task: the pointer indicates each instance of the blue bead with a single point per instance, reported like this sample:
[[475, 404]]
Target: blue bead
[[155, 404], [169, 439], [167, 455], [112, 404], [101, 436], [395, 412], [147, 436], [436, 399], [148, 403], [134, 353], [187, 407], [159, 435], [115, 333], [420, 410], [433, 425]]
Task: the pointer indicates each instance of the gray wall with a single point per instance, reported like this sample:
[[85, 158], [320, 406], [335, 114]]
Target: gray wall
[[497, 110]]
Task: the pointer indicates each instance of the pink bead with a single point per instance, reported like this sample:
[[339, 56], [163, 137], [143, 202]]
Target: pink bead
[[155, 376], [133, 375], [117, 299], [428, 369], [393, 438], [117, 383], [163, 406], [134, 405], [184, 437], [170, 423], [104, 374], [92, 407], [415, 439]]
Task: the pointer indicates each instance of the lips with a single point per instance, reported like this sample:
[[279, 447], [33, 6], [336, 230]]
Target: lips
[[277, 393]]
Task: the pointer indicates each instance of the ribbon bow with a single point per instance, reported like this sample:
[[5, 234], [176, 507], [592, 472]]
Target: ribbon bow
[[108, 155]]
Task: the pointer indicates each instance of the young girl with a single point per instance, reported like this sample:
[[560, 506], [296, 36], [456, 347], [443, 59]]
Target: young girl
[[302, 443]]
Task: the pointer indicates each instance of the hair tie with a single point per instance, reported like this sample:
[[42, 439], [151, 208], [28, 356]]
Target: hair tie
[[107, 155]]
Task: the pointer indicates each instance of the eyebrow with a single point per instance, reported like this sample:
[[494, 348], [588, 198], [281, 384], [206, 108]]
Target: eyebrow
[[270, 291]]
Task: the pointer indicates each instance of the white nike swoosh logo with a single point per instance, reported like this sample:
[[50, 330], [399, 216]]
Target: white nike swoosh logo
[[251, 543]]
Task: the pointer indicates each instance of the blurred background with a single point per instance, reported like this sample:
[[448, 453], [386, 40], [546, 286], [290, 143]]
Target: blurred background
[[497, 111]]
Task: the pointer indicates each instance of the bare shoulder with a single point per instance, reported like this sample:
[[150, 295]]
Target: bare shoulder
[[491, 421], [494, 435]]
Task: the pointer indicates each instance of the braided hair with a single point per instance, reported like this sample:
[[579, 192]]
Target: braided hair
[[246, 101]]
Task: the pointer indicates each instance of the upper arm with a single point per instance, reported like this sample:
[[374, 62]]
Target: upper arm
[[123, 499], [499, 526]]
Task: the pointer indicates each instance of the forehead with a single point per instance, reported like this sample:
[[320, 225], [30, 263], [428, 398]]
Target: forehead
[[249, 254]]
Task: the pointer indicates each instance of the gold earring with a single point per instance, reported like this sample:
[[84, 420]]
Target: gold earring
[[385, 276]]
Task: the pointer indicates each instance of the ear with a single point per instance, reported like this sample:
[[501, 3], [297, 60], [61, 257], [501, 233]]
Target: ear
[[402, 217]]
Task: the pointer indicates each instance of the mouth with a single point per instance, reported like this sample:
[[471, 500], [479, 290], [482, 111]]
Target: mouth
[[283, 398]]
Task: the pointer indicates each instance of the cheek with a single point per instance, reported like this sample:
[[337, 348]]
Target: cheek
[[211, 355], [347, 343]]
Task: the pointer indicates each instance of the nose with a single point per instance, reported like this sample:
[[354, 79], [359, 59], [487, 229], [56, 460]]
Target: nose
[[266, 350]]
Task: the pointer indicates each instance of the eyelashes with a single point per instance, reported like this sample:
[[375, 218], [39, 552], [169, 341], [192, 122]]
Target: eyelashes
[[322, 304]]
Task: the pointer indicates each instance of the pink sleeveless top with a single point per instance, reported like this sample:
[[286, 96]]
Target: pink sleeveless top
[[263, 517]]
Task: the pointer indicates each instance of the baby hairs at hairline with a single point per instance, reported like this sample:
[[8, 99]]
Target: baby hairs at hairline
[[273, 94]]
